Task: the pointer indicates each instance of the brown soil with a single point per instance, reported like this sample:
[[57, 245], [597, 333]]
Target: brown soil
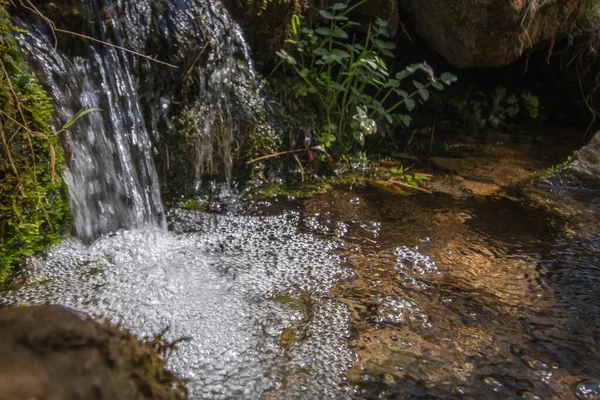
[[49, 352]]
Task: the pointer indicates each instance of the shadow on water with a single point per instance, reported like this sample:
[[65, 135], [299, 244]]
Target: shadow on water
[[465, 298]]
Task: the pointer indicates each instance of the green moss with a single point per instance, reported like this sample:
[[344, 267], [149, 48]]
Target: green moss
[[195, 205], [258, 191], [33, 204]]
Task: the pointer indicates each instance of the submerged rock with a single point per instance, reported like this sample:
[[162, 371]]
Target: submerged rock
[[50, 352], [584, 170], [487, 33]]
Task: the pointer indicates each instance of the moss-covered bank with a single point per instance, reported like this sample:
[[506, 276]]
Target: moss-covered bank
[[33, 198]]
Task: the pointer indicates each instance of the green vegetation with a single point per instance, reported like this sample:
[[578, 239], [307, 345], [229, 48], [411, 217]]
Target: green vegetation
[[555, 169], [33, 198], [482, 111], [349, 82]]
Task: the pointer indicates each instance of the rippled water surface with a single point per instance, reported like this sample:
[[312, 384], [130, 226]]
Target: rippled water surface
[[357, 294], [249, 292]]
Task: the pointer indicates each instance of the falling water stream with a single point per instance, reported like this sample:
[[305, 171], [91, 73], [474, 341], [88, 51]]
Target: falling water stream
[[353, 294], [111, 177]]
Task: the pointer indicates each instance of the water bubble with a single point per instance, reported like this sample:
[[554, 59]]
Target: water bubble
[[587, 389], [231, 283]]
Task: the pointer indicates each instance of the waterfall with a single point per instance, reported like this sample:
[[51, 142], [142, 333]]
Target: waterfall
[[111, 177]]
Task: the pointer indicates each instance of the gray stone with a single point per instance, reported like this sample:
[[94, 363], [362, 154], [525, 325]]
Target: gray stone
[[584, 170], [490, 33]]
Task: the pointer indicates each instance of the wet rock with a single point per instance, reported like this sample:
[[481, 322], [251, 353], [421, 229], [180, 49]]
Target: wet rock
[[588, 390], [584, 170], [50, 352], [487, 33], [384, 9]]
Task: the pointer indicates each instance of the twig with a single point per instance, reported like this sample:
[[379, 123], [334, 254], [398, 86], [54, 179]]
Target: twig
[[54, 29], [395, 182], [116, 47], [300, 166], [189, 71], [282, 153], [18, 106], [10, 158]]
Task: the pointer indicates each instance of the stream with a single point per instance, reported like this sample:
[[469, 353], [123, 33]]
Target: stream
[[356, 293]]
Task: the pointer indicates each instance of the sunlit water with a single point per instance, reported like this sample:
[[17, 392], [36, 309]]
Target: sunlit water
[[355, 294], [220, 283], [467, 298]]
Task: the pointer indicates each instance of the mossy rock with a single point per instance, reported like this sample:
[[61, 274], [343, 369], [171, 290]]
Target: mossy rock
[[33, 197]]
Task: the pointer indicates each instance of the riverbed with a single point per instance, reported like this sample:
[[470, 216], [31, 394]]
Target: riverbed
[[356, 293]]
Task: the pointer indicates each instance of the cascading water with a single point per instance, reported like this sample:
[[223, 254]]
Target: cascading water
[[251, 292], [216, 87], [111, 177]]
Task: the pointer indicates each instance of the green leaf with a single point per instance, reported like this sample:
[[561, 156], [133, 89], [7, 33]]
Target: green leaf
[[337, 86], [402, 74], [303, 73], [323, 31], [359, 136], [422, 177], [391, 83], [495, 122], [418, 85], [437, 85], [448, 78], [339, 33], [339, 6], [284, 55], [405, 120], [401, 93], [18, 30], [389, 118], [340, 53], [424, 93], [410, 104], [326, 14], [302, 91], [340, 18], [80, 113], [295, 25], [384, 44], [381, 22], [371, 64]]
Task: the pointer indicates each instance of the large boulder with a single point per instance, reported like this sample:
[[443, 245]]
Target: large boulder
[[490, 33], [584, 170], [49, 352]]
